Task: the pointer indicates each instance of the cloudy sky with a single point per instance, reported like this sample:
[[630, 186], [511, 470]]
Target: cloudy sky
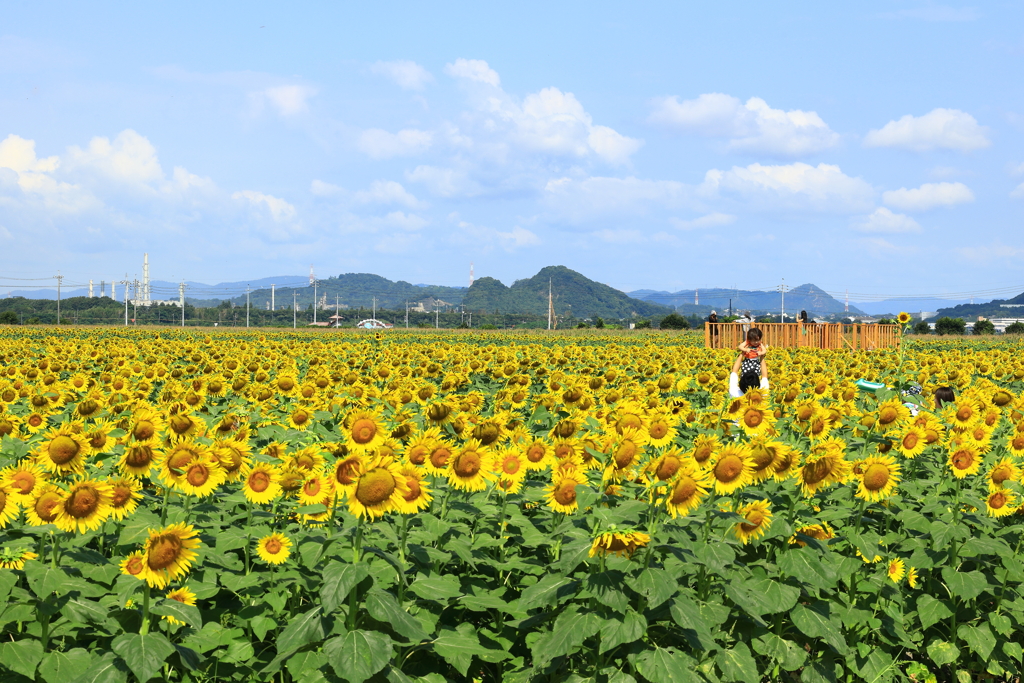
[[876, 147]]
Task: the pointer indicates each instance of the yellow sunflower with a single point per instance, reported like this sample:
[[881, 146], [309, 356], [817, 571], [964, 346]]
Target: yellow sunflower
[[878, 478], [1003, 471], [622, 543], [470, 469], [200, 476], [84, 506], [819, 532], [731, 469], [510, 464], [15, 559], [185, 597], [364, 431], [274, 549], [538, 455], [42, 508], [911, 442], [903, 318], [379, 489], [964, 460], [347, 471], [687, 489], [704, 447], [317, 488], [261, 483], [896, 570], [912, 577], [8, 507], [561, 493], [138, 459], [22, 479], [125, 494], [168, 554], [757, 519], [1001, 503], [300, 418], [63, 451], [418, 498]]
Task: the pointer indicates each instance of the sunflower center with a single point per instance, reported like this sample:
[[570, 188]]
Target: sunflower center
[[180, 424], [467, 464], [312, 487], [134, 566], [876, 476], [272, 546], [197, 475], [417, 455], [535, 453], [180, 458], [285, 384], [728, 469], [816, 472], [754, 520], [144, 430], [347, 471], [624, 454], [363, 431], [753, 418], [565, 493], [300, 417], [510, 465], [45, 504], [910, 441], [702, 453], [88, 407], [1001, 474], [888, 415], [24, 482], [963, 459], [414, 489], [120, 496], [667, 468], [658, 430], [439, 457], [82, 502], [63, 449], [997, 500], [138, 456], [964, 414], [259, 481], [438, 412], [375, 487], [630, 422], [684, 490], [164, 551]]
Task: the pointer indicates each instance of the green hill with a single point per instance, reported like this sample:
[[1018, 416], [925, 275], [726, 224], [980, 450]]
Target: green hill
[[997, 308], [574, 296]]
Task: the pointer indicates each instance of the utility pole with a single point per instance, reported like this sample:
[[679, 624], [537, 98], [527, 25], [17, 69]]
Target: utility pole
[[374, 308], [337, 309], [551, 308], [315, 300], [247, 306], [406, 314], [437, 315], [60, 279], [181, 301], [272, 299], [782, 289], [295, 307], [125, 283]]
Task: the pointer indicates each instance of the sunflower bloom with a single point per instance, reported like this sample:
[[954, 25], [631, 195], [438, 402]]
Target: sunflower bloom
[[418, 498], [63, 451], [732, 469], [201, 476], [261, 484], [84, 506], [274, 549], [42, 508], [878, 478], [561, 494], [15, 559], [621, 543], [964, 460], [470, 469], [125, 494], [379, 489], [896, 570], [687, 489], [8, 507], [185, 597], [1001, 503], [757, 519], [169, 553]]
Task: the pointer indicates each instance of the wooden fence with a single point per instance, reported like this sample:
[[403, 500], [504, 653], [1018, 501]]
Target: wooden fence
[[809, 335]]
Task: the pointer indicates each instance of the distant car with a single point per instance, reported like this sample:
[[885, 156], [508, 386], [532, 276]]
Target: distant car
[[373, 324]]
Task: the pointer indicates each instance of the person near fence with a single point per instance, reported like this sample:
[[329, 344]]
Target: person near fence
[[750, 370], [713, 319]]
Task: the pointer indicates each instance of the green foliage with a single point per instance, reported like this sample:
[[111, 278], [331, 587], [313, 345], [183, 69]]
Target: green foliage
[[9, 318], [984, 327], [922, 327], [947, 325], [674, 321], [642, 325], [1015, 328], [599, 323]]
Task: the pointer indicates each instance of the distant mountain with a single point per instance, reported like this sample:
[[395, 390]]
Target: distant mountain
[[911, 305], [164, 289], [351, 290], [572, 293], [806, 297], [997, 308]]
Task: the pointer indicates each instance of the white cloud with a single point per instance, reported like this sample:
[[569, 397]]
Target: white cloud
[[928, 196], [882, 220], [750, 127], [483, 239], [473, 70], [129, 159], [380, 144], [880, 248], [35, 181], [797, 186], [287, 100], [596, 197], [442, 182], [19, 155], [711, 220], [1019, 191], [322, 189], [407, 74], [280, 210], [938, 129], [986, 254], [549, 122], [386, 192], [404, 221]]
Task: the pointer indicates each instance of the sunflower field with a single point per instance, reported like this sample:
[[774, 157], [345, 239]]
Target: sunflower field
[[341, 506]]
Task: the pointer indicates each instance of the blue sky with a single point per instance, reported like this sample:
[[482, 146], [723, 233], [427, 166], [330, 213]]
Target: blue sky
[[876, 147]]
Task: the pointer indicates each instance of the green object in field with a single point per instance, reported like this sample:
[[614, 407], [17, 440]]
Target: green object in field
[[865, 385]]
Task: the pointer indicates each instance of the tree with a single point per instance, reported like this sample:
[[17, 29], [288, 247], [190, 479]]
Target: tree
[[8, 318], [984, 327], [947, 325], [642, 325], [1015, 328], [599, 323], [674, 321], [922, 328], [765, 319], [582, 326]]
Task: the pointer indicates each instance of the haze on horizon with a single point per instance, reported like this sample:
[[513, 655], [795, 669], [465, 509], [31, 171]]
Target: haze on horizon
[[876, 148]]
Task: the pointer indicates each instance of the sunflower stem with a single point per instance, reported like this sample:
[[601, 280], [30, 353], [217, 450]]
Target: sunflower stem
[[55, 538], [163, 509], [248, 535], [144, 628]]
